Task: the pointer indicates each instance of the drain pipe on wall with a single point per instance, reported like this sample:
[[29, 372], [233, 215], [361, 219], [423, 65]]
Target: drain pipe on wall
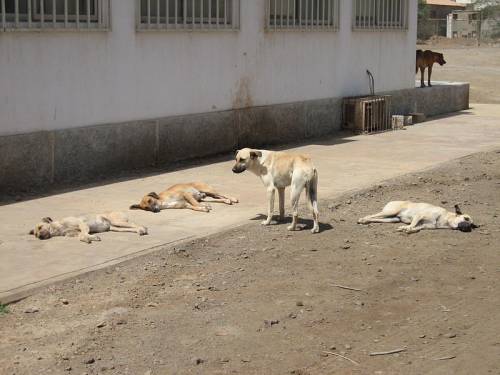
[[372, 82]]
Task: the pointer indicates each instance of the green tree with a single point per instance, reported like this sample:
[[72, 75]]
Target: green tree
[[490, 11], [480, 4], [423, 11]]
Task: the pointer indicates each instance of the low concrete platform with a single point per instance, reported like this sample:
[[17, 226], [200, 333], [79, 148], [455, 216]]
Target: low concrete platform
[[343, 163]]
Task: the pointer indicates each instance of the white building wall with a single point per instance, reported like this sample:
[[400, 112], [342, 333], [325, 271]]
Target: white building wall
[[449, 26], [55, 80]]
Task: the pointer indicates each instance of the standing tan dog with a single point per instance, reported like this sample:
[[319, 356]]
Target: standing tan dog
[[420, 216], [277, 170], [426, 59], [183, 196], [83, 227]]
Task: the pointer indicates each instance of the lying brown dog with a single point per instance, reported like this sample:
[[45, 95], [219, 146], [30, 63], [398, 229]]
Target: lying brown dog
[[426, 59], [183, 196]]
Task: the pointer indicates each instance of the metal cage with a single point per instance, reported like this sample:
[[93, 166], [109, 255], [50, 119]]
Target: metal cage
[[367, 114]]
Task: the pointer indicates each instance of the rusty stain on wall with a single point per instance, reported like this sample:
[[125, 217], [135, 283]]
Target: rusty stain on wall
[[242, 97]]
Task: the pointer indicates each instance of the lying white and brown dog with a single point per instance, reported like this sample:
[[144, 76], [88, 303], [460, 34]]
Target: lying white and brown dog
[[191, 196], [420, 216], [83, 227]]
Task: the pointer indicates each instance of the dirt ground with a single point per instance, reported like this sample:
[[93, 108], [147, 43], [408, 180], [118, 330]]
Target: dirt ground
[[468, 63], [261, 300]]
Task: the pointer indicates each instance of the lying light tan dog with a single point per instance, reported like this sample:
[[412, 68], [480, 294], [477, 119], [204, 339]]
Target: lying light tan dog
[[277, 170], [420, 216], [83, 226], [183, 196]]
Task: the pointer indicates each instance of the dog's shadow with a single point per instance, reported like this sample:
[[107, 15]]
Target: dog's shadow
[[303, 224]]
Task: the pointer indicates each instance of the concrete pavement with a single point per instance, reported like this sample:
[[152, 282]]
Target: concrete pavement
[[343, 163]]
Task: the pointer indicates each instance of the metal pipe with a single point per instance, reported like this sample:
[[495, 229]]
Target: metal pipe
[[225, 13], [42, 14], [3, 14], [201, 13], [88, 14], [77, 5], [16, 12], [29, 14], [65, 13]]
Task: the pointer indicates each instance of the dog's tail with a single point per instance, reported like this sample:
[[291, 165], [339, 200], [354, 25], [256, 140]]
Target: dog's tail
[[418, 54], [312, 191]]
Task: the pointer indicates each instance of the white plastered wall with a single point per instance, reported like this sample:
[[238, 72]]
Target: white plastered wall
[[61, 80]]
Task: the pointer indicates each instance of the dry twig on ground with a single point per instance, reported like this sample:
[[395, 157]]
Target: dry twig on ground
[[445, 358], [388, 352], [346, 287], [341, 356]]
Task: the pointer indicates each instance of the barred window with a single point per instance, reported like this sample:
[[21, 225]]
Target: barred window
[[303, 15], [54, 15], [188, 14], [380, 14]]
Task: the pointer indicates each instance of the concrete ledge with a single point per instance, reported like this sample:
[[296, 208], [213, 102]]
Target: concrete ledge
[[322, 117], [38, 160], [26, 161], [270, 125], [441, 98], [187, 137], [85, 154]]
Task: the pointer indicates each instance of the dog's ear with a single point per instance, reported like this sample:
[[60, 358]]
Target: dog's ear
[[135, 207], [235, 152], [255, 154], [153, 195], [32, 232], [47, 220], [458, 211]]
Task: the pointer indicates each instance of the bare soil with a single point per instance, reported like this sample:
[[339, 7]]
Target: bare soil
[[261, 300], [465, 62]]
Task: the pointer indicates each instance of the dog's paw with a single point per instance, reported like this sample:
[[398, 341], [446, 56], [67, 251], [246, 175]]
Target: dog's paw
[[228, 201], [315, 230], [204, 208], [89, 238], [142, 231], [407, 229], [234, 200], [362, 221], [291, 228], [265, 222], [412, 230]]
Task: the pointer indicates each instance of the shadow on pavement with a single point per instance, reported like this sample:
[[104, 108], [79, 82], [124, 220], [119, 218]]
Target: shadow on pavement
[[117, 177]]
